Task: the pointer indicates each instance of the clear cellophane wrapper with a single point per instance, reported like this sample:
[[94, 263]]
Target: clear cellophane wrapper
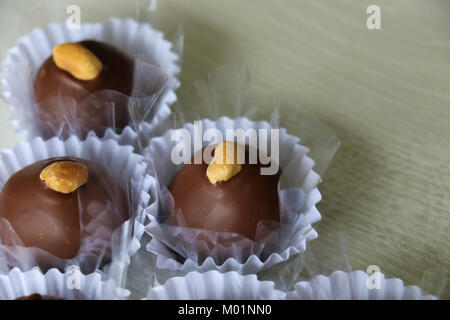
[[109, 231], [157, 62], [222, 101]]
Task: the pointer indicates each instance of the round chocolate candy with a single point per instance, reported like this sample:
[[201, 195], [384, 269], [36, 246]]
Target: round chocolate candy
[[60, 203], [225, 196], [74, 71]]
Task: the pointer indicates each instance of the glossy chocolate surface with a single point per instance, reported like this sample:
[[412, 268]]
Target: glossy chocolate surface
[[56, 222], [117, 75], [236, 205]]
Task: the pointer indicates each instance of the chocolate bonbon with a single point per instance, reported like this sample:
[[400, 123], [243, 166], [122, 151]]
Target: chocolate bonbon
[[228, 199], [57, 204]]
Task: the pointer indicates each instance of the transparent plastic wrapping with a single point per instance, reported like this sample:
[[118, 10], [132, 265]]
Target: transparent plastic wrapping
[[223, 101], [104, 210], [108, 113], [100, 111]]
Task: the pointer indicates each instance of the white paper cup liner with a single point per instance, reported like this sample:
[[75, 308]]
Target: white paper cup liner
[[53, 283], [303, 202], [126, 168], [213, 285], [138, 40], [356, 285]]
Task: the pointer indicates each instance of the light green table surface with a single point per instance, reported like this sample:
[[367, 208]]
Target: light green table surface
[[386, 94]]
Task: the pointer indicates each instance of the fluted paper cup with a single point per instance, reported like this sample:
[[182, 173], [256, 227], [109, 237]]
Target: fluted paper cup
[[214, 285], [355, 285], [299, 200], [55, 284]]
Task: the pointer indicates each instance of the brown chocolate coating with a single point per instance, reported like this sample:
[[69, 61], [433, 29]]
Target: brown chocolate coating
[[36, 296], [236, 205], [55, 222], [51, 81]]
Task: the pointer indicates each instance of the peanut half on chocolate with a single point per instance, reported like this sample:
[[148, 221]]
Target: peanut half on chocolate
[[78, 60]]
